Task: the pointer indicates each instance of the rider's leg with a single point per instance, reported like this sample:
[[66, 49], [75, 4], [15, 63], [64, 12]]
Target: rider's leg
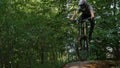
[[79, 25], [83, 17], [92, 24]]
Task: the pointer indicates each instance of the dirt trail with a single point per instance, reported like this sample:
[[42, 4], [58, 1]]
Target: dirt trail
[[93, 64]]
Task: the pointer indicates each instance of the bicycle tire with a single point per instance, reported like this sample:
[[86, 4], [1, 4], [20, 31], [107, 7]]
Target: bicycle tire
[[83, 41], [84, 53], [84, 48]]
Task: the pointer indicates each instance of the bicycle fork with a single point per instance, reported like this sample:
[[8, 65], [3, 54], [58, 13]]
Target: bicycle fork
[[83, 33]]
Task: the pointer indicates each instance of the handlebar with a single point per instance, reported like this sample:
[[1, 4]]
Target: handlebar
[[81, 20], [86, 19]]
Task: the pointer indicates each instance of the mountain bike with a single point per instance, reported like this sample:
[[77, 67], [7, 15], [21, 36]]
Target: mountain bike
[[82, 45]]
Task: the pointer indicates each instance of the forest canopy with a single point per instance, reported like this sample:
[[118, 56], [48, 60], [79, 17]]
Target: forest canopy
[[36, 33]]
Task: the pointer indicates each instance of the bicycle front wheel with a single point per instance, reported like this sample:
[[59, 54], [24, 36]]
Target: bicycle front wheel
[[84, 53]]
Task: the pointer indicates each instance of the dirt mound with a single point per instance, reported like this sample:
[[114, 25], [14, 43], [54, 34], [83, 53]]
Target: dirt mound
[[93, 64]]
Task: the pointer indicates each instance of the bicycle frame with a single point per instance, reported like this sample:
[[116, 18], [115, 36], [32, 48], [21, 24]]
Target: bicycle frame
[[83, 33], [83, 38]]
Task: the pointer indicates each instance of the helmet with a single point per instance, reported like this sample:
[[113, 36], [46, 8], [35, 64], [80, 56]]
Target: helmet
[[82, 2]]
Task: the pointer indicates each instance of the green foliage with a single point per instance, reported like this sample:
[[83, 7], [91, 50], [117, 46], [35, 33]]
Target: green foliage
[[37, 34]]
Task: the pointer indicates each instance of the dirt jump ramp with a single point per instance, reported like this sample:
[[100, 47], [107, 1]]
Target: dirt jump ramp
[[93, 64]]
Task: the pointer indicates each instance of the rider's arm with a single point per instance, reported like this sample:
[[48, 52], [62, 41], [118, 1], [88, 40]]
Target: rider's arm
[[92, 13], [74, 15]]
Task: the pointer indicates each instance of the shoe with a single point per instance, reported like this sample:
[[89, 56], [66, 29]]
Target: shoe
[[90, 38], [91, 41]]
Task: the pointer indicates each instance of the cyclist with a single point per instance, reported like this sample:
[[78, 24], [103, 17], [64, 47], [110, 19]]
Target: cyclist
[[87, 11]]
